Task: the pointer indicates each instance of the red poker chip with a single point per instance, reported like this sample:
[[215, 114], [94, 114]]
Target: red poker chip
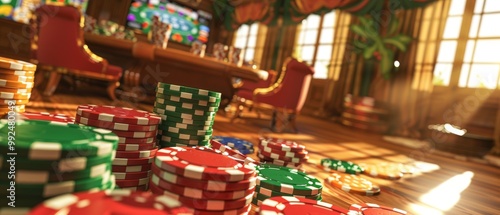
[[131, 175], [281, 144], [202, 163], [118, 114], [135, 134], [300, 154], [136, 188], [131, 140], [242, 211], [136, 147], [282, 158], [297, 206], [111, 202], [114, 125], [136, 154], [47, 117], [266, 160], [131, 182], [198, 193], [374, 209], [137, 168], [236, 155], [132, 161], [205, 204], [203, 184]]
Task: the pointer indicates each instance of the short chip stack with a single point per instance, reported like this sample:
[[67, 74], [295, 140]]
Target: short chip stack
[[282, 152], [54, 158], [16, 82], [203, 179], [243, 146], [275, 180], [187, 115], [136, 130]]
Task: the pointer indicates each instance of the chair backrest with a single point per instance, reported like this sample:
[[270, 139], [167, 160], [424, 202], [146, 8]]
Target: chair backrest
[[291, 88], [246, 89], [59, 39]]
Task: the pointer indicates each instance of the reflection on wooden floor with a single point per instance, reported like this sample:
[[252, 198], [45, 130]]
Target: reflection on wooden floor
[[442, 185]]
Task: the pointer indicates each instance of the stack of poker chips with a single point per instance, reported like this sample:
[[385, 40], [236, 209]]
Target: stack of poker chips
[[203, 179], [187, 115], [54, 158], [136, 149], [111, 202], [275, 180], [16, 82], [282, 152], [297, 205], [243, 146]]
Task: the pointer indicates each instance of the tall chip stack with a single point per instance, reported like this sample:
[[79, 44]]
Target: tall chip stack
[[282, 152], [16, 82], [203, 179], [275, 180], [136, 149], [187, 115], [53, 158]]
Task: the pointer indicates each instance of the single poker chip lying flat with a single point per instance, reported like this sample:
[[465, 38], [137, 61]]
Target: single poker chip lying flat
[[114, 125], [118, 114], [298, 206], [281, 144], [202, 163], [383, 170], [46, 140], [353, 184], [198, 193], [233, 142], [286, 180], [329, 164], [203, 184], [226, 150], [373, 209], [111, 202]]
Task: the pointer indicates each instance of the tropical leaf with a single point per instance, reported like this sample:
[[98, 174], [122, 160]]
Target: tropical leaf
[[358, 30], [403, 38], [368, 52], [386, 62], [359, 44], [393, 26], [400, 45]]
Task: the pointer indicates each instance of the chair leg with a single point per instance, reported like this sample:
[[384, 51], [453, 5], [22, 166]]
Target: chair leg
[[293, 122], [112, 88], [52, 83]]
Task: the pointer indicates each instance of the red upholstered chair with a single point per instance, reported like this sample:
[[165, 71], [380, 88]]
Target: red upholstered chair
[[287, 95], [59, 48]]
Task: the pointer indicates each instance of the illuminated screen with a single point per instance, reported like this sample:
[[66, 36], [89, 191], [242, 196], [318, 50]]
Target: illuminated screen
[[188, 25]]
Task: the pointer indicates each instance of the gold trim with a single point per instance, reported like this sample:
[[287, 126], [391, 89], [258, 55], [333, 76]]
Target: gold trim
[[93, 56], [277, 85]]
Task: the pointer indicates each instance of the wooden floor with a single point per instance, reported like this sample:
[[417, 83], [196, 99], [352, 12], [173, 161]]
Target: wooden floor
[[442, 185]]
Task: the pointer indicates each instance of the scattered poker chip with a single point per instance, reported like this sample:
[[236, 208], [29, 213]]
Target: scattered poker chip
[[370, 208], [132, 161], [47, 176], [46, 116], [281, 144], [293, 205], [383, 170], [130, 140], [280, 153], [69, 164], [136, 147], [232, 153], [12, 64], [329, 164], [267, 193], [287, 180], [136, 154], [234, 142], [131, 175], [353, 184], [282, 158], [196, 91], [115, 125], [56, 140], [135, 134], [135, 168], [203, 184], [111, 202], [199, 193], [205, 204], [199, 163], [131, 182], [118, 115]]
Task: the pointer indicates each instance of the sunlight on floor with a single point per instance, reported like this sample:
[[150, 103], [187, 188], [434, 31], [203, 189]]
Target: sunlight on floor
[[447, 194]]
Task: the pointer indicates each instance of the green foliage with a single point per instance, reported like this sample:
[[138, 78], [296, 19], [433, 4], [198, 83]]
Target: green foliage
[[374, 44]]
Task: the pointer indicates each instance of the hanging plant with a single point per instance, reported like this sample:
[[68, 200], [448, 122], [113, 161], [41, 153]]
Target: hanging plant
[[375, 45]]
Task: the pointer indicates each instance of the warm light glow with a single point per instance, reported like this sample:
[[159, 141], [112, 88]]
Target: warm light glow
[[447, 194], [454, 130], [396, 64], [421, 209]]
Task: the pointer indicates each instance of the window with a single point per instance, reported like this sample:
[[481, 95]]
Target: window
[[250, 38], [479, 65], [315, 42]]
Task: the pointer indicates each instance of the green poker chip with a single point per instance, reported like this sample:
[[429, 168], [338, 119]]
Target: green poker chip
[[186, 126], [173, 119], [195, 91], [271, 193], [287, 180], [160, 93], [181, 109], [69, 164], [185, 105], [194, 132], [329, 164], [46, 140], [173, 140], [200, 103], [182, 136], [210, 116]]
